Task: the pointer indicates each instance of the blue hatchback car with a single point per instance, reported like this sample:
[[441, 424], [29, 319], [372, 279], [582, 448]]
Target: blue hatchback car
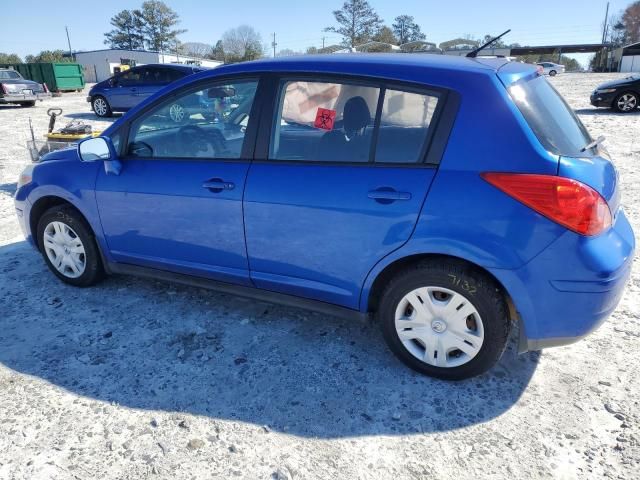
[[450, 197], [126, 89]]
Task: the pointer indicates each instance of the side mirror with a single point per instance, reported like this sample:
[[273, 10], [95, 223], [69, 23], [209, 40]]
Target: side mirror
[[95, 148], [100, 148], [221, 92]]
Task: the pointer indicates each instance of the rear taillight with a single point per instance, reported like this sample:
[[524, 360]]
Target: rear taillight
[[4, 89], [565, 201], [46, 89]]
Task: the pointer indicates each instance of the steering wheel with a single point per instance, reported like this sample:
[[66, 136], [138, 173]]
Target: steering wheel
[[195, 140]]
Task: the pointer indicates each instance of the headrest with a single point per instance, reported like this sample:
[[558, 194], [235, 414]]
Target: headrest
[[356, 115]]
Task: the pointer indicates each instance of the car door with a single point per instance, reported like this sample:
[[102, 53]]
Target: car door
[[177, 202], [124, 94], [337, 184]]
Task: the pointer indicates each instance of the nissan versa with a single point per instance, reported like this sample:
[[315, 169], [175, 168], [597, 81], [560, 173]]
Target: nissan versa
[[451, 197]]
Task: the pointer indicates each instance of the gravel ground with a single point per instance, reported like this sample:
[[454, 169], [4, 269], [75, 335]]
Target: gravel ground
[[142, 379]]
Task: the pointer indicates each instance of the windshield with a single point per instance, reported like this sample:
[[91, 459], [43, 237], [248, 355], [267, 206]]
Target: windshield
[[9, 75], [555, 124]]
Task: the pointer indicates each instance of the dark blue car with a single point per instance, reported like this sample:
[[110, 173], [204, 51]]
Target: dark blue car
[[450, 197], [127, 89]]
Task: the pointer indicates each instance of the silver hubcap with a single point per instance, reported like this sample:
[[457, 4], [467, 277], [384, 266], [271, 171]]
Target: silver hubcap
[[439, 326], [64, 249], [176, 112], [627, 102], [100, 106]]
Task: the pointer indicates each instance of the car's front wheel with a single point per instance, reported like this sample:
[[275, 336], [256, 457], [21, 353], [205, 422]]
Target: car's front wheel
[[445, 320], [101, 107], [69, 247], [31, 103], [553, 73], [626, 102]]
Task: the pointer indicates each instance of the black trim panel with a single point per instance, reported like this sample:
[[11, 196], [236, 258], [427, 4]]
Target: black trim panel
[[239, 290]]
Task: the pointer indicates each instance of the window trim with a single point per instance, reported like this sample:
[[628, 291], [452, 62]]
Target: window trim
[[248, 147], [437, 136]]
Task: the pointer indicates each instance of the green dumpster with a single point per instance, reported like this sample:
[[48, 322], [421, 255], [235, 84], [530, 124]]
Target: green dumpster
[[59, 77]]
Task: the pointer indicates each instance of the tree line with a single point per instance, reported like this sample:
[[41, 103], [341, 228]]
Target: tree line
[[154, 26]]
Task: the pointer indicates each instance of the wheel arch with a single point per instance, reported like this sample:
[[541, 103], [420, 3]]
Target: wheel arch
[[371, 296], [43, 204]]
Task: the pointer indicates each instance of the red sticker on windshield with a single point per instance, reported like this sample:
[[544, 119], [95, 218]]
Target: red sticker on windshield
[[325, 118]]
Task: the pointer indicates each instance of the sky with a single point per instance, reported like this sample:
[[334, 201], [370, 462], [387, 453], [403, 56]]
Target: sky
[[300, 24]]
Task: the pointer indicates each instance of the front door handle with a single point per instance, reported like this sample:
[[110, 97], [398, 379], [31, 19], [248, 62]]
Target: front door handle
[[217, 185], [388, 195]]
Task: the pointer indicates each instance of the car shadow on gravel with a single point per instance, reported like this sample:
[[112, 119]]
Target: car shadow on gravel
[[92, 116], [155, 346], [8, 188], [605, 111]]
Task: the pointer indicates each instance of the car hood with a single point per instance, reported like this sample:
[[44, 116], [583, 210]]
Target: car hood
[[622, 82], [69, 153]]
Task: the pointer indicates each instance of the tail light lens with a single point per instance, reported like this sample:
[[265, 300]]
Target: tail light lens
[[4, 89], [568, 202], [46, 89]]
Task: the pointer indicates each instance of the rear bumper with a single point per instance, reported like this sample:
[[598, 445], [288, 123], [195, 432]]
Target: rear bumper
[[20, 97], [568, 290]]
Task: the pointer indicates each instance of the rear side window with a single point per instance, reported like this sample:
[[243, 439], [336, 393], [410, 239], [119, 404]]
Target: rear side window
[[325, 122], [350, 123], [554, 123], [404, 124]]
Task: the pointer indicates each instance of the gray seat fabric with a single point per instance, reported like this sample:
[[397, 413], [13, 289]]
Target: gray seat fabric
[[352, 142]]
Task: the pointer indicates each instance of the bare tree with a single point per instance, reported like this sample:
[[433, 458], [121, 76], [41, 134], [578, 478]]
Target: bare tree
[[631, 21], [357, 22], [242, 43], [196, 49]]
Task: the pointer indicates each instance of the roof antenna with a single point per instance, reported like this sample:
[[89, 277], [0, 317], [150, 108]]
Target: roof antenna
[[474, 53]]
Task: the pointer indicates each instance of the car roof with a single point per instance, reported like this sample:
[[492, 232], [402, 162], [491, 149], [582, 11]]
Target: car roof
[[422, 60], [435, 70]]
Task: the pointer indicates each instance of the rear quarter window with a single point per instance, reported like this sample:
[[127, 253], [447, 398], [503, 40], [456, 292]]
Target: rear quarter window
[[549, 116]]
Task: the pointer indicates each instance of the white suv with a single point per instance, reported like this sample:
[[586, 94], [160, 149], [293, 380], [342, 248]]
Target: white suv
[[552, 69]]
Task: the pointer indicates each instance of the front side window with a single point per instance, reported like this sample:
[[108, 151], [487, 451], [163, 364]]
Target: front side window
[[208, 123], [404, 126], [131, 77], [326, 122]]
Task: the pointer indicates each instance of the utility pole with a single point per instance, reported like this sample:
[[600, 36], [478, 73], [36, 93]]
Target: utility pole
[[605, 26], [274, 44], [323, 41], [69, 43]]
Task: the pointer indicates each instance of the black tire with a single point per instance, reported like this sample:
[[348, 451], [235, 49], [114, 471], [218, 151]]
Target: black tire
[[32, 103], [478, 288], [634, 98], [101, 107], [94, 271], [552, 73]]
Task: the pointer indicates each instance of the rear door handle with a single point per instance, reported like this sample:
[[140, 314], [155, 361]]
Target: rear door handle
[[217, 185], [388, 195]]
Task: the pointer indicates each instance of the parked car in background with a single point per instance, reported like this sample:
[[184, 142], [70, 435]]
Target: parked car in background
[[551, 69], [622, 95], [355, 185], [125, 90], [16, 89]]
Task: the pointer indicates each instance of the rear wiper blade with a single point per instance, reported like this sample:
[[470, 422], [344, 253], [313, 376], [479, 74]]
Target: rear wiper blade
[[593, 144], [475, 52]]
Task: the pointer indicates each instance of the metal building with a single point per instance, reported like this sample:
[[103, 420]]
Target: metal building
[[99, 65]]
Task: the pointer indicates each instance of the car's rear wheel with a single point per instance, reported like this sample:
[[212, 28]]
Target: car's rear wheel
[[69, 247], [552, 73], [31, 103], [445, 319], [101, 107], [626, 102]]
